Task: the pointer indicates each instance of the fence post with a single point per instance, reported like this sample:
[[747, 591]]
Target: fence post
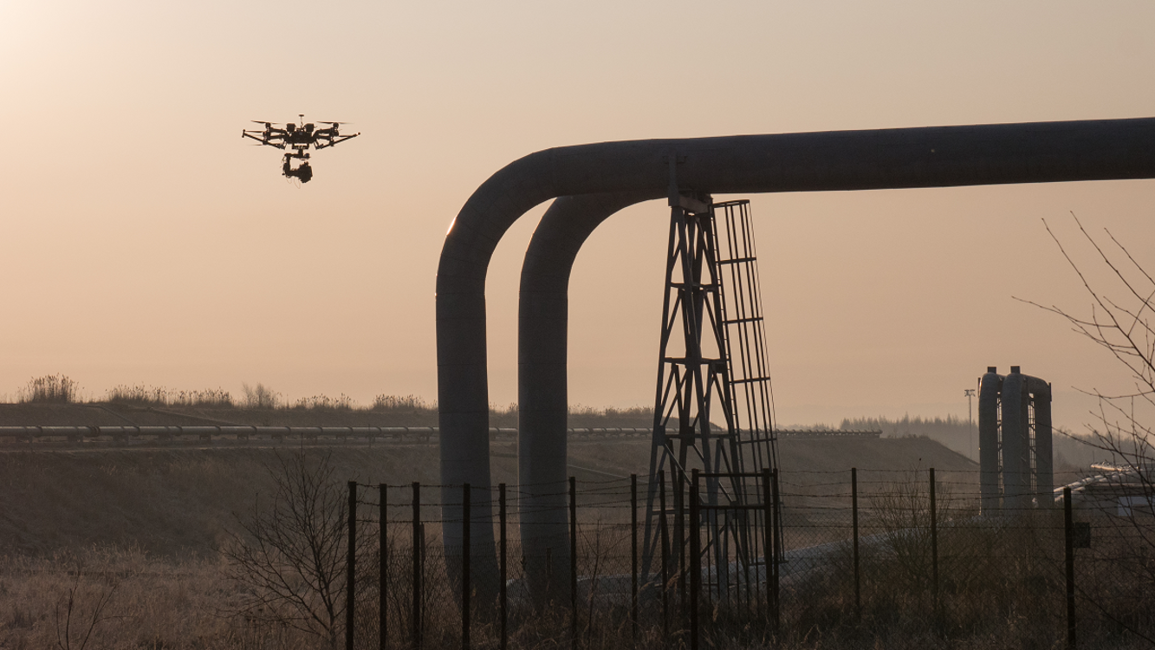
[[502, 593], [573, 549], [1069, 526], [417, 551], [383, 575], [933, 542], [767, 536], [695, 560], [664, 534], [776, 529], [466, 586], [634, 557], [854, 520], [680, 537], [350, 568]]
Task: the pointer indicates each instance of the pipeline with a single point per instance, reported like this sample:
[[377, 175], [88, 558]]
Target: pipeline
[[803, 162], [247, 432]]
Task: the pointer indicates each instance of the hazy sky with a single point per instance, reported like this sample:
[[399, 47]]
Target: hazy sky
[[144, 242]]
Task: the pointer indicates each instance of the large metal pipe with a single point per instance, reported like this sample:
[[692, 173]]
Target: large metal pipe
[[1044, 449], [1021, 394], [1016, 444], [35, 433], [829, 161], [1016, 391], [990, 387], [542, 394]]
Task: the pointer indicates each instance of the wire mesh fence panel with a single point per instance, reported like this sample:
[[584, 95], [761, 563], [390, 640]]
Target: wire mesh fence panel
[[861, 559], [1114, 577], [816, 576]]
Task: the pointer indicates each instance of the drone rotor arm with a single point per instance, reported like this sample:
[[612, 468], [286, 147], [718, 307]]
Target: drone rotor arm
[[342, 138]]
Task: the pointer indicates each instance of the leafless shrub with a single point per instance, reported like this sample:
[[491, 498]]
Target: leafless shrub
[[289, 555], [261, 397]]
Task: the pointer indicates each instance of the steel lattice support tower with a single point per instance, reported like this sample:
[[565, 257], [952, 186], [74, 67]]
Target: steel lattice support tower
[[713, 405]]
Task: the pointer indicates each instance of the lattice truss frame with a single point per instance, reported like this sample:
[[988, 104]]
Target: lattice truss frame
[[714, 400]]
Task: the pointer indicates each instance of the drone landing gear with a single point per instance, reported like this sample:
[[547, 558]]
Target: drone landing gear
[[303, 172]]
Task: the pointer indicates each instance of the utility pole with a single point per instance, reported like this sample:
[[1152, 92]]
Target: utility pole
[[970, 393]]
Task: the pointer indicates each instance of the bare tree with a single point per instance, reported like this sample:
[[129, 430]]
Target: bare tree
[[1120, 321], [260, 396], [290, 552], [1122, 325]]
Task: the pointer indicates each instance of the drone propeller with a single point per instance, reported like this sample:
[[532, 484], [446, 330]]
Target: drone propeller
[[261, 122], [333, 123]]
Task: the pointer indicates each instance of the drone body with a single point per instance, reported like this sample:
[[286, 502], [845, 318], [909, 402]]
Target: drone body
[[298, 137]]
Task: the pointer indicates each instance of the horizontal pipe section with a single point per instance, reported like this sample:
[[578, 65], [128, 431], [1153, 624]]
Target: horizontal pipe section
[[244, 431]]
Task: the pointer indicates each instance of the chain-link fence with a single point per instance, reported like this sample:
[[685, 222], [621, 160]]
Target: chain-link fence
[[855, 559]]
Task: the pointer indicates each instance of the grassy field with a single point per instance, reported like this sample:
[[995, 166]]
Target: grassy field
[[178, 502], [123, 545]]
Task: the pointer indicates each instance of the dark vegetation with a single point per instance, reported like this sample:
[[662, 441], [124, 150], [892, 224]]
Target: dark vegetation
[[49, 389], [60, 389]]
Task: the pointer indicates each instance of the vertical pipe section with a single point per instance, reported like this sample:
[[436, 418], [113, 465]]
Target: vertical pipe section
[[990, 387], [542, 350], [1016, 444], [1044, 448]]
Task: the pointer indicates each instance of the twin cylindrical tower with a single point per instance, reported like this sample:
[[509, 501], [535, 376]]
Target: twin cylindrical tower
[[1015, 453]]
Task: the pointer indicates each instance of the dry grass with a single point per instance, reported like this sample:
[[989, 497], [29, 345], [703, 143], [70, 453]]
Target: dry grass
[[171, 590], [147, 602], [50, 389], [141, 395], [1000, 589]]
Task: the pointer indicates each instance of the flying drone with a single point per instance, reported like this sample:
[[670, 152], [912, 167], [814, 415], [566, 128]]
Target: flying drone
[[299, 137]]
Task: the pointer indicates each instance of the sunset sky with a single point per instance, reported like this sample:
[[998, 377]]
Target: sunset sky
[[144, 242]]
